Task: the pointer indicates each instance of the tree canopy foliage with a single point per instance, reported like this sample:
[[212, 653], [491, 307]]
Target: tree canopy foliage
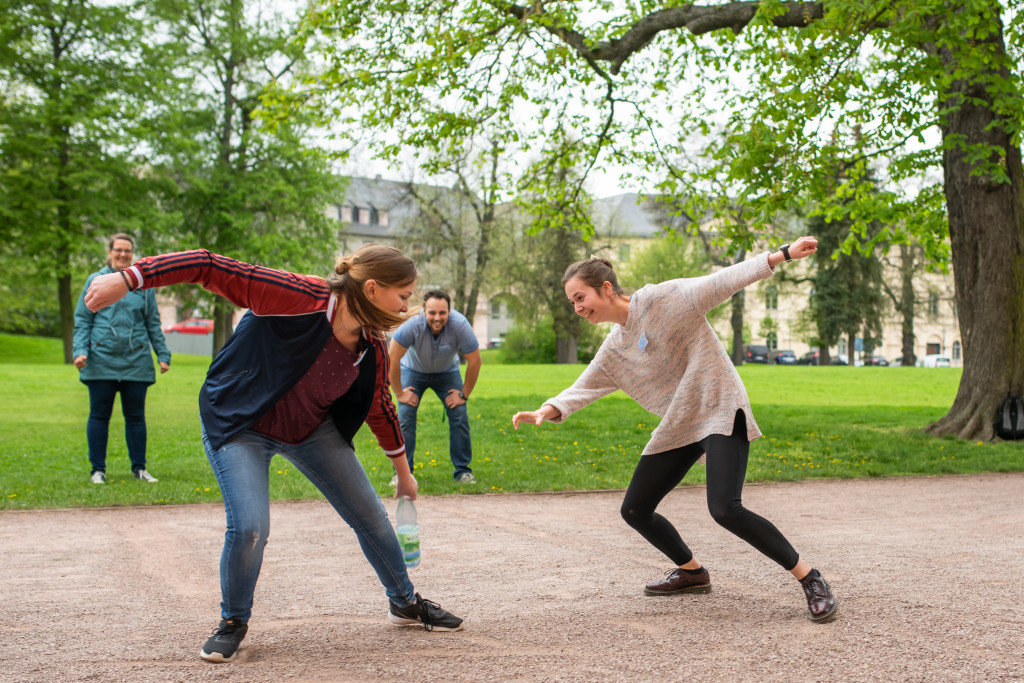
[[765, 99], [76, 82], [228, 181]]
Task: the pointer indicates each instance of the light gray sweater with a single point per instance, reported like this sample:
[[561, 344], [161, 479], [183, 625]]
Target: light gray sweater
[[670, 361]]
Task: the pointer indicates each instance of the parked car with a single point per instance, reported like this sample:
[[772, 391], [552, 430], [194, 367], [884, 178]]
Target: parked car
[[933, 360], [757, 354], [809, 358], [840, 360], [877, 361], [785, 357], [192, 326]]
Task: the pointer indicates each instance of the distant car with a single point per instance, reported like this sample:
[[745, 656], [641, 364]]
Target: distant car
[[840, 360], [785, 357], [495, 343], [192, 326], [757, 354], [809, 358], [933, 360], [877, 361]]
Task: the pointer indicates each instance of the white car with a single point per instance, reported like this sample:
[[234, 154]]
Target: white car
[[933, 360]]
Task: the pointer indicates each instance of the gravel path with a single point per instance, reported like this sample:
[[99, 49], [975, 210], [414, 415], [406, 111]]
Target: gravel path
[[928, 572]]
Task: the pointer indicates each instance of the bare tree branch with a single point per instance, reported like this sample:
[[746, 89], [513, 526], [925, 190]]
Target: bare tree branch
[[698, 19]]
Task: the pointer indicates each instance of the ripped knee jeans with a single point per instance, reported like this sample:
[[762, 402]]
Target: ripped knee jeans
[[242, 468]]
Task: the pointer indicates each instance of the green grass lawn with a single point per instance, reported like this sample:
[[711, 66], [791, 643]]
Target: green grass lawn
[[828, 422]]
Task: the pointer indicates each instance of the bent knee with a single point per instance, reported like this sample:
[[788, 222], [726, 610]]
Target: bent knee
[[727, 516], [633, 517], [253, 536]]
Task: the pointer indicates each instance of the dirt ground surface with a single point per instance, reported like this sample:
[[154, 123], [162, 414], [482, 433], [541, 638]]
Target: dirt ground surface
[[929, 573]]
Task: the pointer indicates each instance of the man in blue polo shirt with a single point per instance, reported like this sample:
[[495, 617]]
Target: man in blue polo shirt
[[425, 354]]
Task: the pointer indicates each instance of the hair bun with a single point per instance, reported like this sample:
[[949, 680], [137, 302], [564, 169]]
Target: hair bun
[[341, 267]]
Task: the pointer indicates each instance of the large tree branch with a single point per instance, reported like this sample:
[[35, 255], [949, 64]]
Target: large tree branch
[[697, 19]]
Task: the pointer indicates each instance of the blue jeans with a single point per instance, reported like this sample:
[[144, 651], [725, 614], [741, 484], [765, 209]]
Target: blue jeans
[[242, 466], [97, 429], [459, 447]]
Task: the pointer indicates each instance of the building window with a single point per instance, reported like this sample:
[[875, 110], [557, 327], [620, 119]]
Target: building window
[[362, 215], [933, 348], [382, 216], [374, 220], [933, 303], [956, 350], [495, 311], [345, 214], [771, 340], [771, 298]]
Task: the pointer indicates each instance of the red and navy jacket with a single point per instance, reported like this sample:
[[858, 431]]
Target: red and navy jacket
[[274, 344]]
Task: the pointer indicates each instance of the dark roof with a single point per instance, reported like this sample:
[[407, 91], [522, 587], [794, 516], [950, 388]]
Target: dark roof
[[631, 214]]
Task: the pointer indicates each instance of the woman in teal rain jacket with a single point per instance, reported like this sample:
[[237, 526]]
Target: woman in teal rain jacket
[[112, 353]]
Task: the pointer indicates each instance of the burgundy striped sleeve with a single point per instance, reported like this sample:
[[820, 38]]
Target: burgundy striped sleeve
[[383, 418], [265, 291]]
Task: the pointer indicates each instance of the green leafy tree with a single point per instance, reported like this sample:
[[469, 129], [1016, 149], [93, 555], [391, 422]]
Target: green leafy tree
[[76, 80], [666, 257], [847, 295], [455, 230], [784, 91], [232, 183], [908, 262], [534, 256]]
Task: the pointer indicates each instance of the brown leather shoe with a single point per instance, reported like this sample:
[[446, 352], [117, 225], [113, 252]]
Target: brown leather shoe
[[820, 601], [678, 581]]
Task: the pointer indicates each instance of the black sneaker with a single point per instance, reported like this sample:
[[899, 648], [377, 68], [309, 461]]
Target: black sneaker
[[222, 646], [424, 612]]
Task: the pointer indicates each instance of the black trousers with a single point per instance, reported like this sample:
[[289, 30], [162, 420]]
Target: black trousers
[[658, 473]]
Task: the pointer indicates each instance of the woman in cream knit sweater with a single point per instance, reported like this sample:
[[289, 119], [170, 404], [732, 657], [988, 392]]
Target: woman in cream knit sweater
[[664, 354]]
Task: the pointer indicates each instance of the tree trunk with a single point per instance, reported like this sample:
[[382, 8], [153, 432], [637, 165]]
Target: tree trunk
[[567, 350], [986, 230], [736, 320], [223, 319], [907, 300], [67, 315]]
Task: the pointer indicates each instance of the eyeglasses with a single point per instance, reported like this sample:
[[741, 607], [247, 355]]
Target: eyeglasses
[[122, 251]]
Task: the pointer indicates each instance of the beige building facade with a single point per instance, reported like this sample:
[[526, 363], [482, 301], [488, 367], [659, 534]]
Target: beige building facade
[[628, 227]]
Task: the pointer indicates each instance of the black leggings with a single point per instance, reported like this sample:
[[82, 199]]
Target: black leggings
[[658, 473]]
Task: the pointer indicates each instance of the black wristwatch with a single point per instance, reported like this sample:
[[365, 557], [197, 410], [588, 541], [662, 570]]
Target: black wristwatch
[[463, 396], [785, 252]]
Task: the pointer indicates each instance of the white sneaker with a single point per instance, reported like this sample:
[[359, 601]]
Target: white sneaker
[[466, 478], [145, 476], [394, 481], [98, 478]]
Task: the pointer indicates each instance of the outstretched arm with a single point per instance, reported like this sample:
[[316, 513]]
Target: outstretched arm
[[711, 290], [592, 384], [264, 290], [798, 249], [546, 412]]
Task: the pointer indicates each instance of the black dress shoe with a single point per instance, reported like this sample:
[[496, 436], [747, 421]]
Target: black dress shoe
[[679, 581], [820, 601]]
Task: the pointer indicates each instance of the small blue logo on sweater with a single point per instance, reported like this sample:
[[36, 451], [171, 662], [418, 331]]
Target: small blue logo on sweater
[[642, 342]]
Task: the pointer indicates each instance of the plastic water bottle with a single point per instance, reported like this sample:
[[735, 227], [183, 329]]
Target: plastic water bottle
[[408, 531]]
